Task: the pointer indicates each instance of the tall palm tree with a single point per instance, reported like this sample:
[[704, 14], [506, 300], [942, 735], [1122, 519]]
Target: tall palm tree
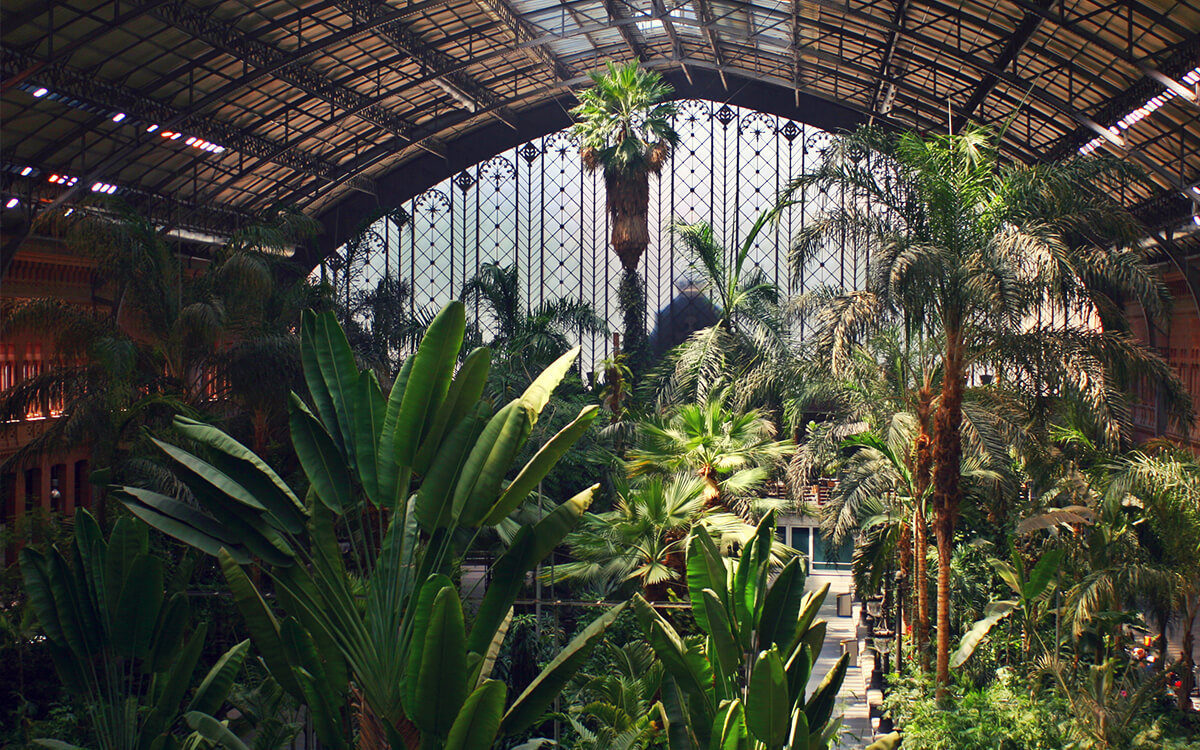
[[624, 126], [732, 453], [750, 335], [979, 252]]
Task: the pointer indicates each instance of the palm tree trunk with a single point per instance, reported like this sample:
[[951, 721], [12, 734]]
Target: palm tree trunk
[[920, 530], [628, 201], [1183, 696], [947, 457], [921, 544]]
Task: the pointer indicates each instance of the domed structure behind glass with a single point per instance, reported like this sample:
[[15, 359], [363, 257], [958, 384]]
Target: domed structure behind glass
[[689, 311]]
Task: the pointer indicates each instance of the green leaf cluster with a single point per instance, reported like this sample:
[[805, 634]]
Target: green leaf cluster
[[373, 632], [742, 684], [121, 646]]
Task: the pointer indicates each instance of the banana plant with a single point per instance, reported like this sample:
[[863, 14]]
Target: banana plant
[[1033, 593], [741, 685], [120, 645], [372, 635]]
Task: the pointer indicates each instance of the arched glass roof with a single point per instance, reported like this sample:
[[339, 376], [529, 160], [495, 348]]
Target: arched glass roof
[[207, 111]]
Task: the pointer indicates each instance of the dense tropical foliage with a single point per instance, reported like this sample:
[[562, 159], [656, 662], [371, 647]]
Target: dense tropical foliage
[[353, 522]]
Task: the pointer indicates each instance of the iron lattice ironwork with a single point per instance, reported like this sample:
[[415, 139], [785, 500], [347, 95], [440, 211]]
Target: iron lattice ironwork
[[536, 207]]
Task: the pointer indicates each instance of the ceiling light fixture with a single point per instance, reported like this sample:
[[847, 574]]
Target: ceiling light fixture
[[152, 128], [26, 171], [40, 92], [118, 117], [12, 203]]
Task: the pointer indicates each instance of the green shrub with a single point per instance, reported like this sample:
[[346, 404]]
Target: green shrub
[[999, 716]]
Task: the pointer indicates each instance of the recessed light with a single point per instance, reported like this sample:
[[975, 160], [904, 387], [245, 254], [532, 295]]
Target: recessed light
[[39, 93]]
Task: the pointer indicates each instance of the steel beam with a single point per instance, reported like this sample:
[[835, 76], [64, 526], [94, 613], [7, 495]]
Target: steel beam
[[108, 96], [524, 33]]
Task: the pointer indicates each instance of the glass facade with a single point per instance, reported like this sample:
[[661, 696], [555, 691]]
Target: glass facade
[[536, 207]]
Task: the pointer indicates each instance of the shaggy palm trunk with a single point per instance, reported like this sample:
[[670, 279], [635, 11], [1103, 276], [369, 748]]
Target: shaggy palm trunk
[[921, 543], [712, 490], [920, 530], [947, 456], [1183, 696], [628, 201]]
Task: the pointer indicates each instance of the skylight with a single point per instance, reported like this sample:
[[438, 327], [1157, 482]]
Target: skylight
[[1139, 114]]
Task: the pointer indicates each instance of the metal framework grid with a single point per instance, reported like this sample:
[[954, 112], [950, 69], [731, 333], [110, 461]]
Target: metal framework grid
[[315, 102], [536, 207]]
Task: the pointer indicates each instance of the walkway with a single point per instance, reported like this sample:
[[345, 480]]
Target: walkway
[[852, 699]]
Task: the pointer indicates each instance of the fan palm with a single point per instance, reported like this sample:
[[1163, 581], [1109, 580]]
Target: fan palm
[[645, 537], [732, 453], [980, 252], [624, 127]]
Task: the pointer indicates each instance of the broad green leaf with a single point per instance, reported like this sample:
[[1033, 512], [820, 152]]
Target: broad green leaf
[[260, 622], [57, 744], [234, 459], [799, 669], [441, 683], [798, 736], [531, 546], [781, 609], [540, 465], [192, 469], [476, 725], [368, 425], [993, 613], [672, 652], [767, 706], [340, 373], [141, 599], [434, 504], [204, 524], [213, 730], [537, 395], [321, 691], [214, 689], [179, 678], [1042, 576], [317, 388], [168, 633], [173, 527], [489, 659], [76, 615], [423, 610], [36, 576], [815, 638], [705, 570], [465, 391], [536, 698], [490, 459], [428, 381], [323, 464], [729, 728], [389, 472], [679, 733], [820, 706], [729, 652]]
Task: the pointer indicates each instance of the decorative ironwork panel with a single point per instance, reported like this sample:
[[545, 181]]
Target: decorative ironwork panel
[[537, 207]]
